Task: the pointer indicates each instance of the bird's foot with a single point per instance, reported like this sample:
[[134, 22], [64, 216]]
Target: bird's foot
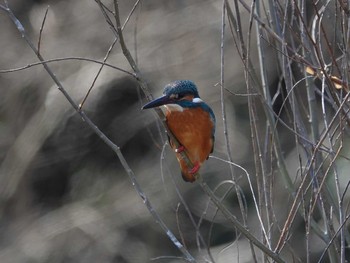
[[195, 168], [180, 149]]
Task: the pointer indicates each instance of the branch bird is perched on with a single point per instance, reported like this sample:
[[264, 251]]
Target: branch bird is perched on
[[191, 121]]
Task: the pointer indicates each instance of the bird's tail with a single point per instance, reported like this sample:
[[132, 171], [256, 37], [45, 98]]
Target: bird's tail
[[185, 170]]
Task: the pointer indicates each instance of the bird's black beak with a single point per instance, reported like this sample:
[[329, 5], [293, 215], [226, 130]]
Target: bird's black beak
[[158, 102]]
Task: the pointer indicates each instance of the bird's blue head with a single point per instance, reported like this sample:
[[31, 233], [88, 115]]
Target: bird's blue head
[[177, 92], [181, 88], [183, 93]]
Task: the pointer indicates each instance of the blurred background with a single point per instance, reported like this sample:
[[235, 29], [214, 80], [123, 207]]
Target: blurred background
[[64, 196]]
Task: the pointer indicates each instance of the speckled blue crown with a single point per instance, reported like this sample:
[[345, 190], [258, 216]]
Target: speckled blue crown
[[181, 87]]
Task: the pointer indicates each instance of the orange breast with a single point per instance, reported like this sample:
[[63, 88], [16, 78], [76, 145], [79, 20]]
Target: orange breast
[[193, 129]]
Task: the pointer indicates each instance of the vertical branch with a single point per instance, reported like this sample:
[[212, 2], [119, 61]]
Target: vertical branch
[[267, 179], [309, 88], [42, 28], [258, 155], [324, 196], [98, 73], [223, 110], [265, 193]]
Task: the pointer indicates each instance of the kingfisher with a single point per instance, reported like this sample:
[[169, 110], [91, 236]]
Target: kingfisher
[[191, 121]]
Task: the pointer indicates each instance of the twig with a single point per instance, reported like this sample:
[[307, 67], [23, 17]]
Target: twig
[[223, 111], [98, 73], [42, 28], [178, 225], [106, 57], [199, 236], [130, 14], [333, 238], [236, 223], [311, 160], [65, 59], [224, 195]]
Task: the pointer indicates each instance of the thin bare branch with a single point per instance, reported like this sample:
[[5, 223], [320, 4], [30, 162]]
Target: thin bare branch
[[40, 63], [98, 73], [42, 28]]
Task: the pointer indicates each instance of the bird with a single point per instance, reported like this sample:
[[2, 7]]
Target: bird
[[191, 121]]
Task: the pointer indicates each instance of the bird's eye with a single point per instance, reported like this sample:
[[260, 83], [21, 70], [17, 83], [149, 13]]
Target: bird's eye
[[177, 96], [174, 96]]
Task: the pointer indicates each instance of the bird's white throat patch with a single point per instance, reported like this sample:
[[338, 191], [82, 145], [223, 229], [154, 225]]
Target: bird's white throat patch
[[177, 107], [197, 100], [174, 107]]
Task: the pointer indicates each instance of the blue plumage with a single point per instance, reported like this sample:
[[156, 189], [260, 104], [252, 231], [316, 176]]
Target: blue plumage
[[181, 87], [176, 91], [191, 121]]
